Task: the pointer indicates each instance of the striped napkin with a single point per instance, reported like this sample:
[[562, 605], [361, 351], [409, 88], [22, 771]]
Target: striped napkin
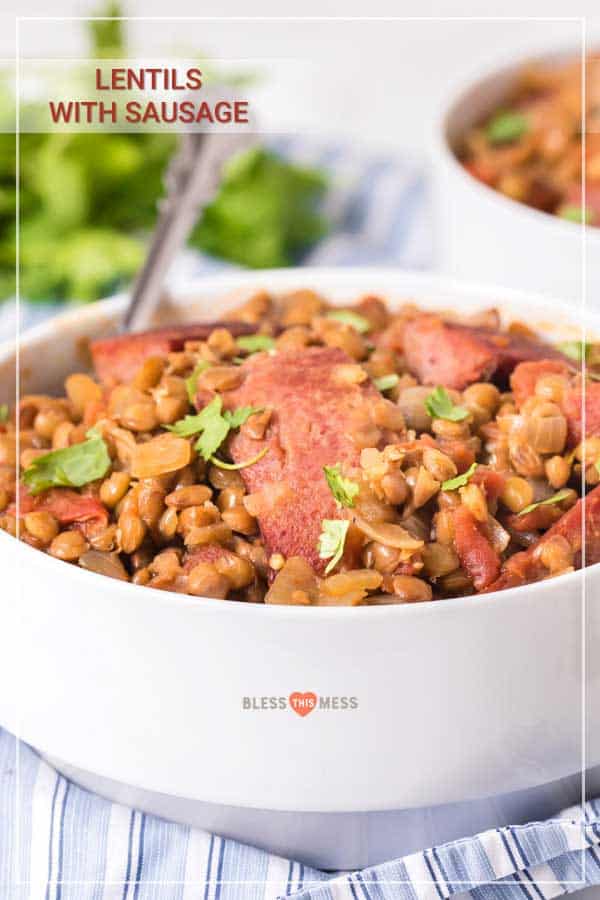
[[59, 842]]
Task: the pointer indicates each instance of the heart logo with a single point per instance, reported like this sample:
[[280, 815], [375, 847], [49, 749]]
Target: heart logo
[[303, 704]]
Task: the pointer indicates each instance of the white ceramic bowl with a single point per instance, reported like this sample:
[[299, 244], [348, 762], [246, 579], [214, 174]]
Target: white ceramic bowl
[[486, 235], [139, 692]]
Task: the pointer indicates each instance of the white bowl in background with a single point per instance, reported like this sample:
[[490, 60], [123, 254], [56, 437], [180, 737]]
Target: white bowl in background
[[138, 693], [484, 235]]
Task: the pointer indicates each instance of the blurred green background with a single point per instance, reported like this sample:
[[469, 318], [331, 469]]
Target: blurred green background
[[88, 202]]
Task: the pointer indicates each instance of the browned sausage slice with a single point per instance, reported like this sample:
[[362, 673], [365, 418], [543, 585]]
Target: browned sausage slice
[[117, 359], [319, 418]]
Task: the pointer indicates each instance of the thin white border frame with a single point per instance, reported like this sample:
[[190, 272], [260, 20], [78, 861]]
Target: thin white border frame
[[582, 20]]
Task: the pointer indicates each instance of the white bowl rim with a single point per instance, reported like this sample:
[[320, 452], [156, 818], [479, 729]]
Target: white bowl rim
[[503, 64], [270, 277]]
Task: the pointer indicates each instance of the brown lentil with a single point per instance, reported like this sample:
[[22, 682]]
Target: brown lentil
[[68, 545]]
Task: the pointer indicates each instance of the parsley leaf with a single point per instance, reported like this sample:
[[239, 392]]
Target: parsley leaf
[[70, 467], [332, 540], [506, 126], [577, 350], [348, 317], [460, 481], [254, 343], [3, 412], [343, 489], [212, 425], [191, 383], [440, 406], [386, 382], [556, 498]]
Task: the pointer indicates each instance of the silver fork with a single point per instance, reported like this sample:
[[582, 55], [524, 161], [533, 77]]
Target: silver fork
[[191, 182]]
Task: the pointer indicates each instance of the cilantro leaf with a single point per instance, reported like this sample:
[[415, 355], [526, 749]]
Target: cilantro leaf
[[440, 406], [506, 126], [214, 433], [240, 415], [212, 425], [577, 350], [460, 481], [332, 540], [3, 412], [348, 317], [191, 425], [343, 489], [191, 383], [70, 467], [556, 498], [254, 343], [386, 382]]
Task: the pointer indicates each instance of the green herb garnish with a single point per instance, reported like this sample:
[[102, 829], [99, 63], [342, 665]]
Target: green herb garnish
[[231, 467], [332, 540], [3, 412], [70, 467], [505, 127], [343, 489], [556, 498], [460, 481], [254, 343], [386, 382], [348, 317], [440, 406], [582, 215], [577, 350], [191, 383], [212, 424]]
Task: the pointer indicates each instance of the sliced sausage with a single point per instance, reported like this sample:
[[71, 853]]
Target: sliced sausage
[[118, 358], [318, 418], [455, 356]]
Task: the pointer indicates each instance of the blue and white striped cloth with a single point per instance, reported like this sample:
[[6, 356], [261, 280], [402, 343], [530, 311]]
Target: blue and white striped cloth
[[59, 842]]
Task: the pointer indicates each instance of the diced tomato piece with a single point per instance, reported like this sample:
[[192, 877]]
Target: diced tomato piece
[[460, 452], [573, 409], [525, 378], [526, 375], [492, 482], [538, 519], [477, 556], [66, 505], [525, 567]]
